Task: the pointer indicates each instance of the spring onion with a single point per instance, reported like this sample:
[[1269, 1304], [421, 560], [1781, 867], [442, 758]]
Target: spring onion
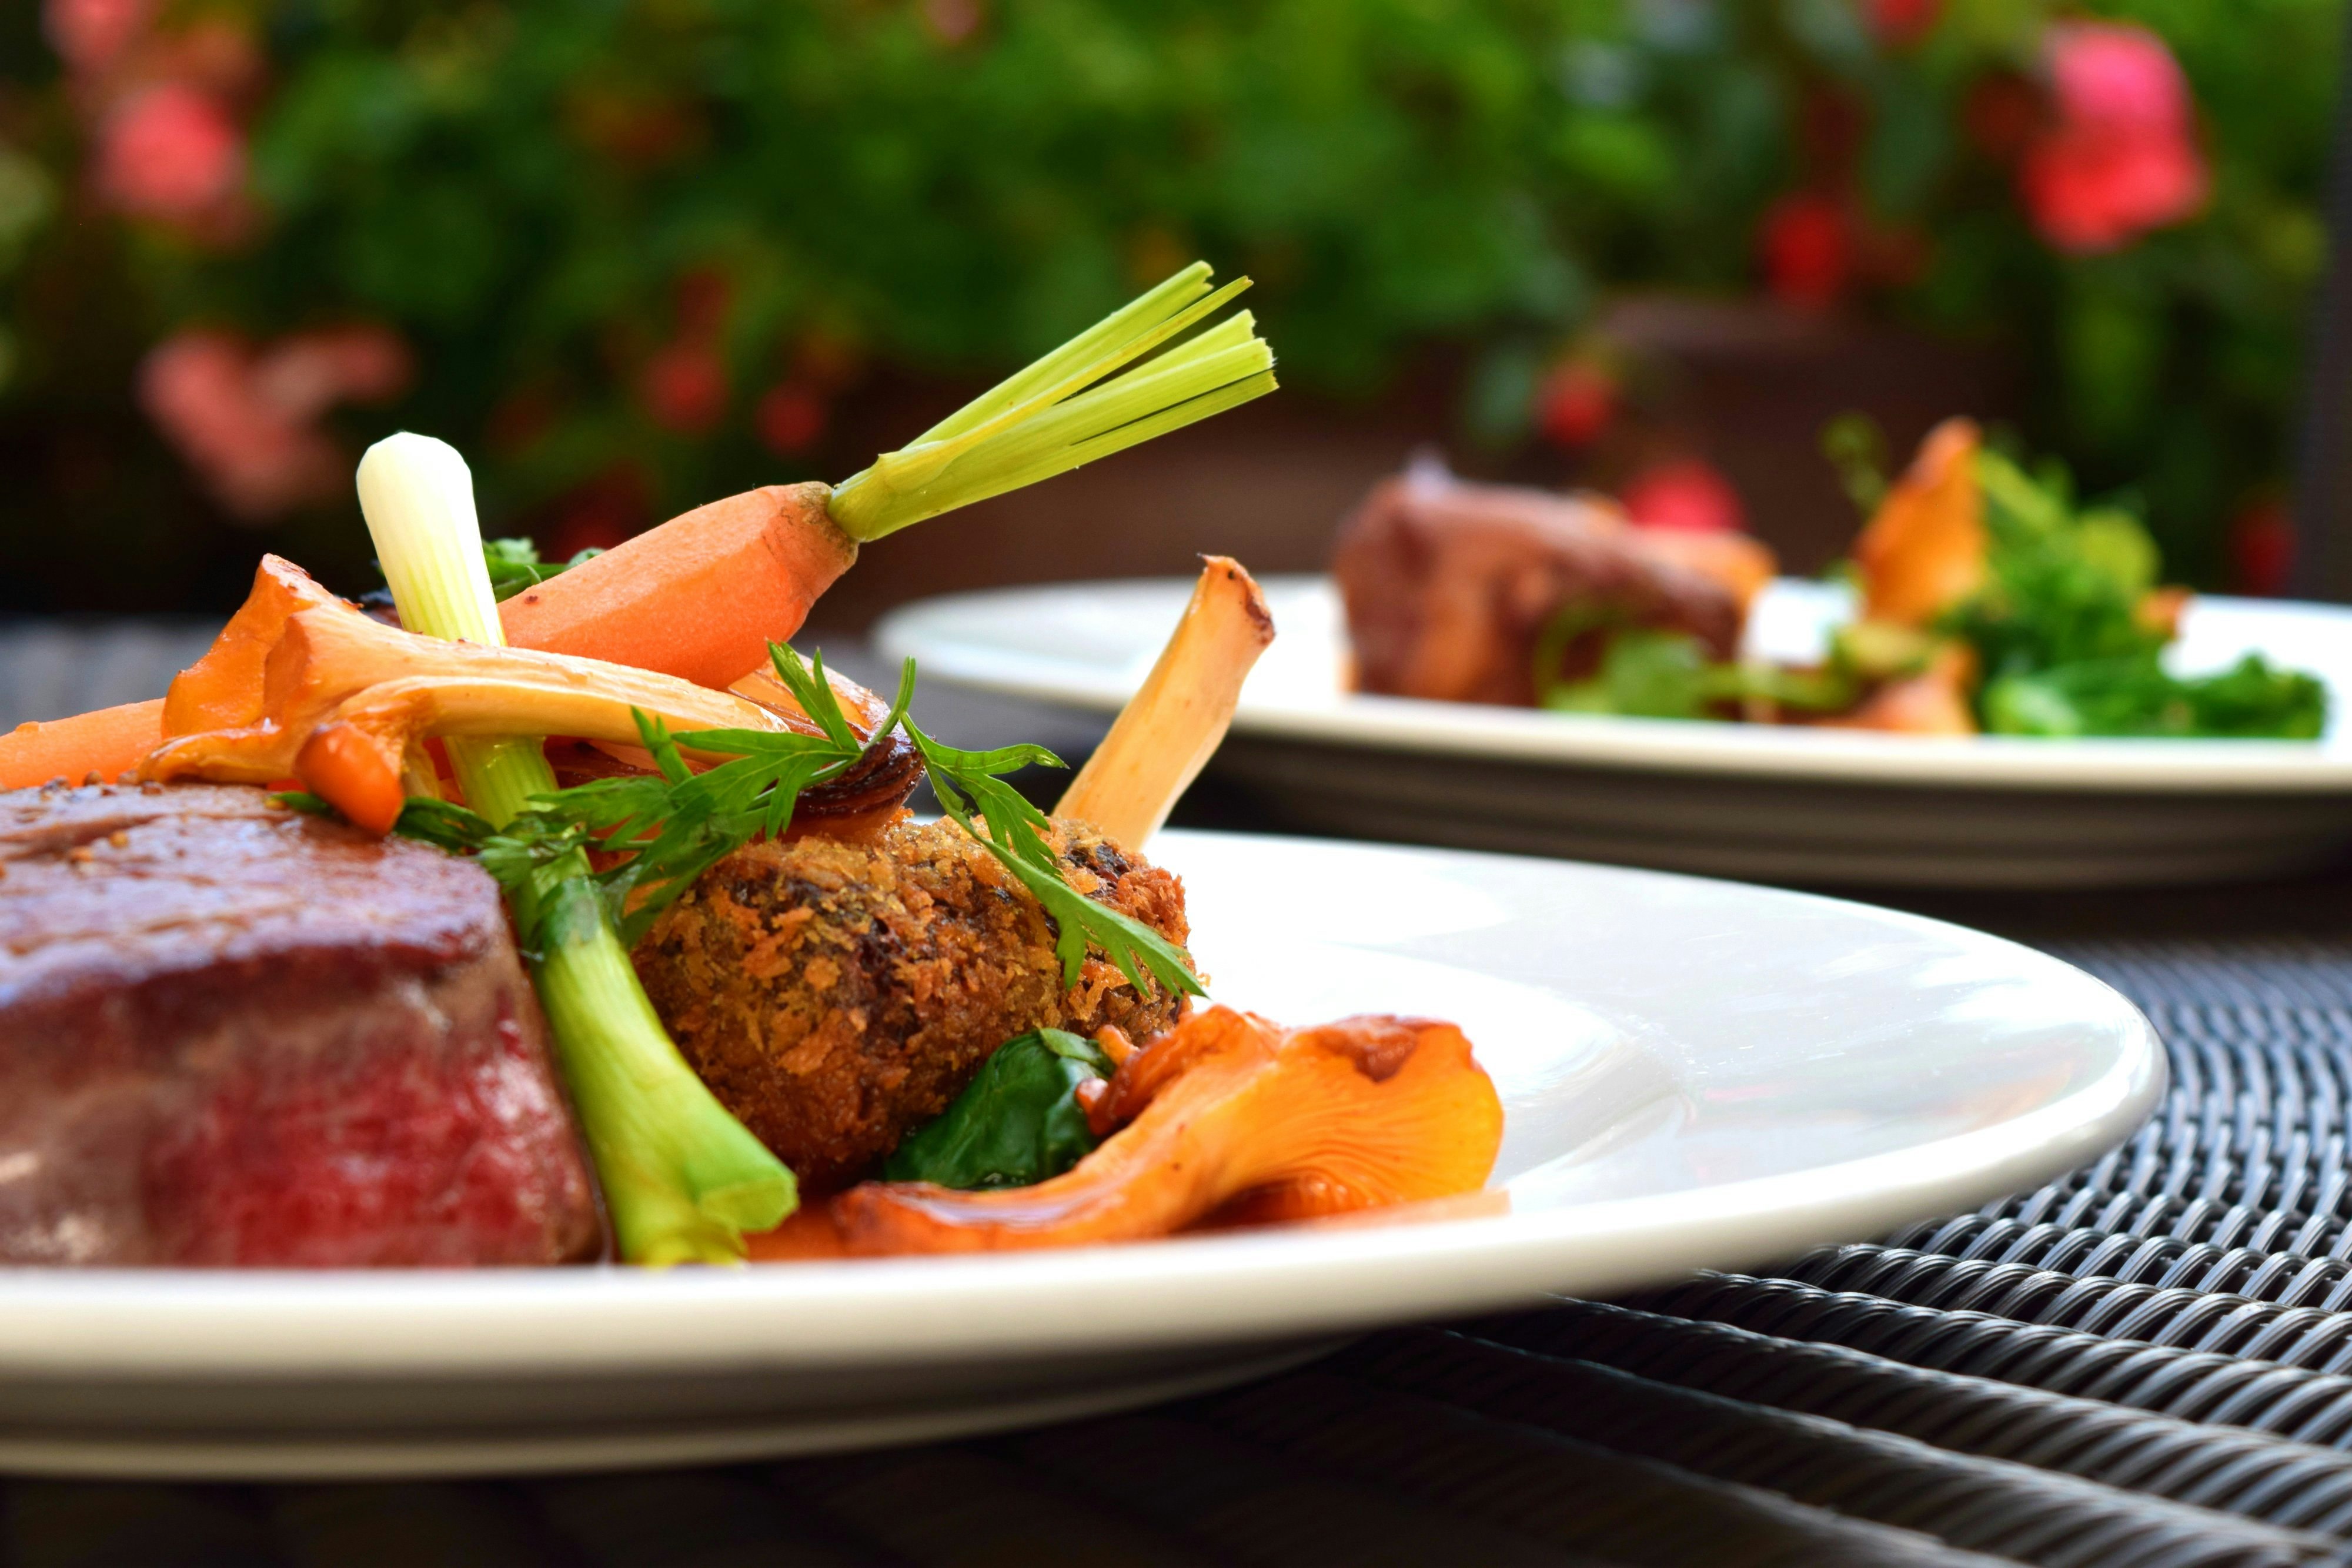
[[683, 1179]]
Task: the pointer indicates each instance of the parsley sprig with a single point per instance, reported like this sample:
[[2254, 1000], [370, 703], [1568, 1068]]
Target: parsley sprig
[[968, 783], [671, 827]]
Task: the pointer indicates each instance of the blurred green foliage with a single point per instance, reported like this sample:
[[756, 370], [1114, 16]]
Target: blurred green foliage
[[543, 197]]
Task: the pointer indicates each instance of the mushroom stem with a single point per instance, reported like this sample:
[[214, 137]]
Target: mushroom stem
[[1171, 727], [303, 686]]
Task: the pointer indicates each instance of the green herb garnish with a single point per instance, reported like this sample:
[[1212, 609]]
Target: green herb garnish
[[1647, 673], [2062, 587], [2065, 647], [1017, 1123], [2252, 700], [674, 826], [514, 565], [1013, 829]]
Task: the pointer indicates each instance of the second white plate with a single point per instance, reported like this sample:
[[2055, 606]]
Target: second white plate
[[1751, 800]]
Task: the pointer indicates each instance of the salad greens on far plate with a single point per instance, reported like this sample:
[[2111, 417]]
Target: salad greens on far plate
[[2059, 630]]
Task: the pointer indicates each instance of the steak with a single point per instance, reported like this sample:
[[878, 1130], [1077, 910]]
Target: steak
[[233, 1034], [1450, 586]]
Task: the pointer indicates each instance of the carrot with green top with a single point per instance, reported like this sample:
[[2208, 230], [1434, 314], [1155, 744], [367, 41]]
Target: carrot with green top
[[703, 595]]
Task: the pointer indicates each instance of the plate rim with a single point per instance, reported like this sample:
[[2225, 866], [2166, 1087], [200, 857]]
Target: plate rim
[[2013, 764], [98, 1325]]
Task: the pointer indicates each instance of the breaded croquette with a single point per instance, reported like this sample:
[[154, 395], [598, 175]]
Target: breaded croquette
[[835, 995]]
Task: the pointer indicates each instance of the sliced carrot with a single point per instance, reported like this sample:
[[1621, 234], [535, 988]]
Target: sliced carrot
[[345, 765], [106, 743], [701, 596]]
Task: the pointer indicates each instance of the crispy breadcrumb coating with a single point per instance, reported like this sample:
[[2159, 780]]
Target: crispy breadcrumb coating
[[837, 995]]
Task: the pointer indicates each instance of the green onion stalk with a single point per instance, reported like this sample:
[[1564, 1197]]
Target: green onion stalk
[[683, 1179]]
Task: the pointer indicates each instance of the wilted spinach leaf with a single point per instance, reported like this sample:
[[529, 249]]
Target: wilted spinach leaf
[[1018, 1123], [514, 565]]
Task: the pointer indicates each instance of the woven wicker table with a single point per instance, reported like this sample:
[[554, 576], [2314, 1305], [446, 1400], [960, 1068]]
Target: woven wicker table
[[2148, 1362]]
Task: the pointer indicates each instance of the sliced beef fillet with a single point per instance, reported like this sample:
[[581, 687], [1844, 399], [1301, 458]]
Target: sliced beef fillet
[[1449, 587], [235, 1034]]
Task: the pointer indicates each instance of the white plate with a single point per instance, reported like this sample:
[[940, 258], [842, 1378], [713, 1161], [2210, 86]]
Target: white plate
[[1694, 1073], [1724, 799]]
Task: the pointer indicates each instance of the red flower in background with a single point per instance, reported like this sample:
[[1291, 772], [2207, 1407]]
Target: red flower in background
[[1902, 21], [954, 21], [1807, 244], [1575, 404], [171, 152], [704, 296], [789, 419], [1687, 494], [248, 421], [685, 388], [2122, 158], [92, 35], [2262, 548], [684, 385]]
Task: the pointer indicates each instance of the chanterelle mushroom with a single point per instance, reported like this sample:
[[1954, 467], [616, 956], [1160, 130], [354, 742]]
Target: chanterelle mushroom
[[1225, 1114]]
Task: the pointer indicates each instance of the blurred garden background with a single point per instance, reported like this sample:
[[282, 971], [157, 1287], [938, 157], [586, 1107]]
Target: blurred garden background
[[631, 254]]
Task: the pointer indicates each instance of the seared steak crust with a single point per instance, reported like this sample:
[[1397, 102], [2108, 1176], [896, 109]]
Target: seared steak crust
[[836, 995], [233, 1034]]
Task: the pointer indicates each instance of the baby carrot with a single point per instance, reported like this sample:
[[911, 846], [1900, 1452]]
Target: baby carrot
[[701, 596], [105, 743]]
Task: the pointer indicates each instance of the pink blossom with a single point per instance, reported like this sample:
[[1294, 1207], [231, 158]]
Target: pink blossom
[[172, 151], [304, 375], [258, 462], [1688, 494], [247, 420], [954, 21], [2117, 76], [2122, 158], [92, 35]]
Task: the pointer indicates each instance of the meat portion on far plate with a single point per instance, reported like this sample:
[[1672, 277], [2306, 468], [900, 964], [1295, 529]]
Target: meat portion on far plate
[[1451, 587], [232, 1033]]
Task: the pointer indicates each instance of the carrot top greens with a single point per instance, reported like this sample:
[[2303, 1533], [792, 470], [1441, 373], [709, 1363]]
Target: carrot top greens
[[1085, 400]]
